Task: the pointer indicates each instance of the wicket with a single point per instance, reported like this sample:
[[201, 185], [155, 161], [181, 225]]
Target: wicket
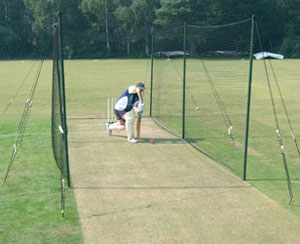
[[111, 101]]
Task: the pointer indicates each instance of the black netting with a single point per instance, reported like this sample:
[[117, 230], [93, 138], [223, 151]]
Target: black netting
[[216, 86], [58, 130], [167, 77]]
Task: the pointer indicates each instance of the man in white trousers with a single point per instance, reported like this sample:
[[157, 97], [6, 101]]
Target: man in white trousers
[[129, 103]]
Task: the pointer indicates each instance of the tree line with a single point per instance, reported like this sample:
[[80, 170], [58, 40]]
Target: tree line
[[107, 28]]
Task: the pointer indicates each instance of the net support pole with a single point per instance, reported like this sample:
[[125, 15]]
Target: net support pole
[[248, 99], [151, 81], [183, 86], [63, 96]]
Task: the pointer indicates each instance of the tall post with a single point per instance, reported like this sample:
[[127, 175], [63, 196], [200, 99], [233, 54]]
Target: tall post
[[63, 97], [151, 81], [183, 86], [249, 98]]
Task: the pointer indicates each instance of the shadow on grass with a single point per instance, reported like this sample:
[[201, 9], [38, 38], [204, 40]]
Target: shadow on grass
[[195, 140], [124, 140], [271, 179], [162, 140], [146, 140]]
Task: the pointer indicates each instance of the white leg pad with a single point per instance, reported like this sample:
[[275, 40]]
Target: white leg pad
[[116, 126], [130, 117]]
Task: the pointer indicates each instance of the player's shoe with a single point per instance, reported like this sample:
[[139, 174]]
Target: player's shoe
[[132, 140], [109, 131]]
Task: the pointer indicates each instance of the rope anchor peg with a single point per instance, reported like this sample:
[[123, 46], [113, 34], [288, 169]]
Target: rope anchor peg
[[27, 101], [60, 129], [292, 200], [293, 136], [278, 133], [15, 148]]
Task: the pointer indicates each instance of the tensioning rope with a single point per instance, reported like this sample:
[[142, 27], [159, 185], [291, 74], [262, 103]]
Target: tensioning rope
[[23, 121], [188, 89], [219, 101], [279, 137], [18, 90], [285, 108], [28, 104]]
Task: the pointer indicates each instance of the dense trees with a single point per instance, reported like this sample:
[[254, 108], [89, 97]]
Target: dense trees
[[15, 31], [92, 27], [290, 42]]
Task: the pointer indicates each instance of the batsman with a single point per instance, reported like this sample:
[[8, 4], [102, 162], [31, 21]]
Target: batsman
[[128, 104]]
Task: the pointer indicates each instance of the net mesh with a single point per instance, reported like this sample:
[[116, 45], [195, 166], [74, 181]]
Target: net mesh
[[167, 77], [217, 87], [58, 130], [119, 60], [217, 73], [217, 70]]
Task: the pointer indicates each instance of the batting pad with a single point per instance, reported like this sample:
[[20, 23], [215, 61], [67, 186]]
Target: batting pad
[[130, 117], [116, 126]]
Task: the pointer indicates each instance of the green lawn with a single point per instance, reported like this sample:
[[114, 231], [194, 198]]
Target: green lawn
[[30, 200], [206, 127]]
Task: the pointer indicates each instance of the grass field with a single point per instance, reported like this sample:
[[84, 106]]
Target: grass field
[[30, 200], [206, 127]]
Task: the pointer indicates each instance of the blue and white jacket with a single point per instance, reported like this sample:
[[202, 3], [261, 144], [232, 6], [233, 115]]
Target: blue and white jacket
[[128, 99]]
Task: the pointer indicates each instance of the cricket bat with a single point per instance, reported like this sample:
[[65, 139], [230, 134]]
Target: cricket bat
[[138, 125]]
